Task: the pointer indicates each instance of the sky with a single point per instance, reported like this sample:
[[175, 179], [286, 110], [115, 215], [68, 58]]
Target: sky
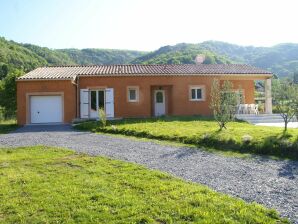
[[147, 24]]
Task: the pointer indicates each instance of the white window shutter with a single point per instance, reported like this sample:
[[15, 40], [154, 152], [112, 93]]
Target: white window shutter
[[110, 102], [84, 103]]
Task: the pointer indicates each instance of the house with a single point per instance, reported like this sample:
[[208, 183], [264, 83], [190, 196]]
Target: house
[[61, 94]]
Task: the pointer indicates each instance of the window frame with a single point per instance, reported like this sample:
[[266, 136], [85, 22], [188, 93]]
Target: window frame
[[136, 88], [202, 88]]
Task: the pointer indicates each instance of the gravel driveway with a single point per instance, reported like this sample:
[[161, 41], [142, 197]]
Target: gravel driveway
[[271, 183]]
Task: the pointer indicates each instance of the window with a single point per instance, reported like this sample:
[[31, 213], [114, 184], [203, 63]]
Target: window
[[97, 100], [159, 97], [197, 93], [93, 101], [133, 94], [101, 99]]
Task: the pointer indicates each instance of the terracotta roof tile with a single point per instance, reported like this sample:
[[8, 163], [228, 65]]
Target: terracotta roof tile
[[70, 72]]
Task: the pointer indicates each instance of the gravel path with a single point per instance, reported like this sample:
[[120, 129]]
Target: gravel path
[[271, 183]]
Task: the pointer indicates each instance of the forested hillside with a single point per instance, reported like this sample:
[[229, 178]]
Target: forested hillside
[[26, 57], [281, 59], [181, 54], [101, 56]]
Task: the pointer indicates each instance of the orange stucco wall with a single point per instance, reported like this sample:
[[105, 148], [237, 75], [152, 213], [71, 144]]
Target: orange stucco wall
[[25, 88], [176, 91], [176, 88]]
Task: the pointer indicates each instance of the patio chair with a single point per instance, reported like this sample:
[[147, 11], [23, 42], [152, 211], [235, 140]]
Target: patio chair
[[245, 108], [240, 109], [251, 108], [256, 109]]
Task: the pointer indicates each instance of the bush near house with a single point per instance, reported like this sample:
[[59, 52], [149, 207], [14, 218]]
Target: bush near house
[[7, 125], [239, 136], [50, 185]]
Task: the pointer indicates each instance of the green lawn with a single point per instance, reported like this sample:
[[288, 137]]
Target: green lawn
[[239, 136], [51, 185], [7, 126]]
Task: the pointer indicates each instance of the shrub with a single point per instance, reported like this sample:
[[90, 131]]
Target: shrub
[[102, 117], [246, 139], [223, 103]]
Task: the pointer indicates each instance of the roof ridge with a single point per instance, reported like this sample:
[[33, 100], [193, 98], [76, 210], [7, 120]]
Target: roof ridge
[[68, 71], [143, 65]]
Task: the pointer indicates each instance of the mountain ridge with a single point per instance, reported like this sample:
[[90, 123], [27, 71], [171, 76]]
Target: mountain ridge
[[280, 59]]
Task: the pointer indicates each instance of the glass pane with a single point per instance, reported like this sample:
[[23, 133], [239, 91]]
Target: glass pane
[[132, 94], [159, 97], [101, 99], [93, 100], [199, 94], [193, 94]]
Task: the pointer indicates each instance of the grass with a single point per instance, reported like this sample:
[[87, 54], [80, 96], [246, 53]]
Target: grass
[[239, 137], [7, 126], [194, 146], [50, 185]]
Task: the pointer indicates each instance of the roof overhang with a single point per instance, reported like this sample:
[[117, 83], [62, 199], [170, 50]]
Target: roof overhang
[[222, 76]]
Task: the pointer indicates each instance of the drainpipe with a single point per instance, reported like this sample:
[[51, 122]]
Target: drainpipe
[[75, 81]]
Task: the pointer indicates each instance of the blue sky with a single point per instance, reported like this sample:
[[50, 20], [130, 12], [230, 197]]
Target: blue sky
[[147, 24]]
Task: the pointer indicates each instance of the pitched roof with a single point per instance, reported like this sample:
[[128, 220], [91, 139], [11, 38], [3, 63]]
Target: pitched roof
[[70, 72]]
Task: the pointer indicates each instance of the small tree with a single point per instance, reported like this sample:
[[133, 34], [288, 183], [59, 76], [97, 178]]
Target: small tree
[[296, 112], [8, 100], [285, 97], [295, 80], [223, 103], [102, 116], [3, 71]]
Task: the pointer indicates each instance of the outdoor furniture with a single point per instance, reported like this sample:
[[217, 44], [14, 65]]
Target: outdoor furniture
[[241, 109], [248, 109], [255, 109]]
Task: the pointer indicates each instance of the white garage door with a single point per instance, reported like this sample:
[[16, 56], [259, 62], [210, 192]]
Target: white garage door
[[46, 109]]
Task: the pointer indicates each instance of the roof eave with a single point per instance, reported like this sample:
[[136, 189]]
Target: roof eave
[[40, 79], [269, 75]]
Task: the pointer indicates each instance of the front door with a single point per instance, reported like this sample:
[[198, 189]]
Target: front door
[[97, 100], [159, 103]]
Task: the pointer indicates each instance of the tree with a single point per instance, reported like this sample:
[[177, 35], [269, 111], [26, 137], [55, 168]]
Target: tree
[[8, 93], [3, 71], [223, 102], [209, 59], [285, 97], [295, 77]]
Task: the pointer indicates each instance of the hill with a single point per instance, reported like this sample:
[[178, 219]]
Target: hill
[[281, 59], [101, 56], [26, 57], [181, 54]]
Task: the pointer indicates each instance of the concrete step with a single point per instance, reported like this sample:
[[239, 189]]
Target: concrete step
[[258, 115], [262, 118]]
